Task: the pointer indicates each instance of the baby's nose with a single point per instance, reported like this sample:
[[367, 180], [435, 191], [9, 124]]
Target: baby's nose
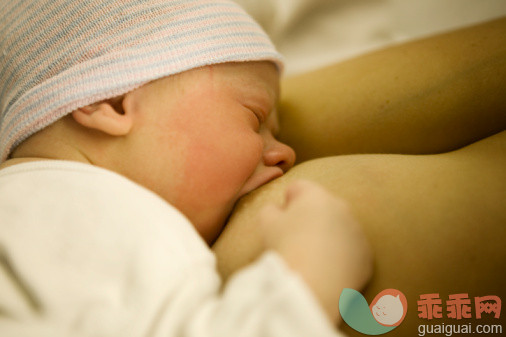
[[279, 154]]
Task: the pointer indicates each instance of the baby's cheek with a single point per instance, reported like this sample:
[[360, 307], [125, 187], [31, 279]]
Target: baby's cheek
[[234, 165], [222, 166]]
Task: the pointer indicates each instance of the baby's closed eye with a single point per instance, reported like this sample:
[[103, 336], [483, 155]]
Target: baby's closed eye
[[255, 117]]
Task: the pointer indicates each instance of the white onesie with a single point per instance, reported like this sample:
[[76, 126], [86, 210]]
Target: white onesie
[[87, 252]]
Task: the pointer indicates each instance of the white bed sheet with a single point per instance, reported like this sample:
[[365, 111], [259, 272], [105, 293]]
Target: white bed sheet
[[314, 33]]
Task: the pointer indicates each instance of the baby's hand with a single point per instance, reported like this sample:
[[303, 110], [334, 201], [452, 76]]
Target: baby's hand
[[319, 238]]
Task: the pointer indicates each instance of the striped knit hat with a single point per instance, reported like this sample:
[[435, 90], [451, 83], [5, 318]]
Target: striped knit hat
[[59, 55]]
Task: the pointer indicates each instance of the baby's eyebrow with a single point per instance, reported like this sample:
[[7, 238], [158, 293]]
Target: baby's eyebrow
[[261, 98], [265, 90]]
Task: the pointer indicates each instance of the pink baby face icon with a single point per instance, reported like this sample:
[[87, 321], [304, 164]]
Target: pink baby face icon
[[389, 307]]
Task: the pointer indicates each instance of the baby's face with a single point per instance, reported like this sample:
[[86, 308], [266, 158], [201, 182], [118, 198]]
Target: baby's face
[[207, 138]]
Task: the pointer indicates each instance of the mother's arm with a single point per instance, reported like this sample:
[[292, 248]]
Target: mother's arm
[[428, 96], [435, 222]]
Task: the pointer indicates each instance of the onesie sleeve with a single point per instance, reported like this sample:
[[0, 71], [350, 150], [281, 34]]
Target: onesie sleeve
[[265, 299]]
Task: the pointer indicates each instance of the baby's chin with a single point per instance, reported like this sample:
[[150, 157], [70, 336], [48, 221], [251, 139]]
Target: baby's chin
[[211, 226]]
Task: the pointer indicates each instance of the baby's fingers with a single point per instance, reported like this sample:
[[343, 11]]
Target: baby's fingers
[[302, 189], [304, 193]]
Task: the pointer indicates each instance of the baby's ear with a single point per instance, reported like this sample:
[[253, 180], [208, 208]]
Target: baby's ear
[[107, 116]]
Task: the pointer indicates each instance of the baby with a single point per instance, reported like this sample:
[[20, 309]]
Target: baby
[[128, 131]]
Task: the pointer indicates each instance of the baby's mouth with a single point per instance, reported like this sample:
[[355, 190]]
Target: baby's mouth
[[258, 179]]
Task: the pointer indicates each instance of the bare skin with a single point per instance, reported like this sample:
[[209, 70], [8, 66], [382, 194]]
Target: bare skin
[[433, 205], [454, 243], [428, 96], [309, 215]]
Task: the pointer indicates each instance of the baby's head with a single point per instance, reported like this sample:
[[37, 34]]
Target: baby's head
[[178, 95]]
